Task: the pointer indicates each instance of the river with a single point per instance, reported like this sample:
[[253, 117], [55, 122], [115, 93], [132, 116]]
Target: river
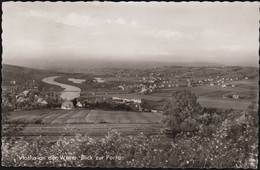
[[69, 93]]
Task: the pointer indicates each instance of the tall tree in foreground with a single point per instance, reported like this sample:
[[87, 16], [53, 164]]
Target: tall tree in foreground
[[180, 112]]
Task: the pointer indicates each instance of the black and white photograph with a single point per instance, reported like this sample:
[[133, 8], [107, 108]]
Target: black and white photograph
[[130, 84]]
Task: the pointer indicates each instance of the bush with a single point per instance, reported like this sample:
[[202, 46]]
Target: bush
[[128, 151]]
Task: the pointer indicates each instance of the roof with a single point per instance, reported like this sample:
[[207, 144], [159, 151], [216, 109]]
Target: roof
[[67, 105]]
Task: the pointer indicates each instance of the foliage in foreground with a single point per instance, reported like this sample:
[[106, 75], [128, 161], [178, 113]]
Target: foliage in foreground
[[139, 151]]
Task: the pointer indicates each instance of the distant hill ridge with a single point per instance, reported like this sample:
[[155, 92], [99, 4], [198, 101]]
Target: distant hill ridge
[[84, 65]]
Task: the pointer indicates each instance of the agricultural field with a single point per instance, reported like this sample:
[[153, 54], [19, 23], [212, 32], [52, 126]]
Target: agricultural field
[[212, 97], [54, 123]]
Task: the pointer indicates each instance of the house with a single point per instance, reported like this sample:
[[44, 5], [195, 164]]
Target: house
[[233, 85], [124, 100], [20, 99], [116, 98], [211, 84], [42, 101], [224, 97], [235, 96], [223, 85], [246, 78], [143, 90], [136, 100], [67, 105], [13, 82], [99, 80], [79, 104], [6, 103], [24, 93]]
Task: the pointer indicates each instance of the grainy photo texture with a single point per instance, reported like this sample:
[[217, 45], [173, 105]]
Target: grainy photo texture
[[130, 84]]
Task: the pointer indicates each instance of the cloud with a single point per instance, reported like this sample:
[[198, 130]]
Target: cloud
[[134, 24], [81, 20], [165, 34], [72, 19], [75, 19], [120, 21], [41, 14], [108, 21], [208, 33], [230, 48]]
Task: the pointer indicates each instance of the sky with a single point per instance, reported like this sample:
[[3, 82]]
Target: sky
[[225, 33]]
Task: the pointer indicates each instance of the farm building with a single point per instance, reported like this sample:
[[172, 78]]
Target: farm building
[[13, 82], [21, 99], [236, 96], [24, 93], [42, 101], [125, 100], [79, 104], [99, 80], [67, 105]]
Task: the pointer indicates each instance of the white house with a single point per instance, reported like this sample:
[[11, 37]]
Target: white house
[[235, 96], [99, 80], [67, 105], [79, 104], [13, 82], [42, 101], [136, 100]]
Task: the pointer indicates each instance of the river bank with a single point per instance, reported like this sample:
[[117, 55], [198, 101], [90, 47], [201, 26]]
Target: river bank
[[69, 93]]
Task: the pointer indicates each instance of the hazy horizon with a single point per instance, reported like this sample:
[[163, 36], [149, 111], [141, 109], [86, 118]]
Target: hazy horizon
[[222, 33]]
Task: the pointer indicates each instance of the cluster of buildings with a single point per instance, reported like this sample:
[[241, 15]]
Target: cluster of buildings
[[98, 80], [234, 96], [27, 96], [223, 81], [115, 103], [138, 88]]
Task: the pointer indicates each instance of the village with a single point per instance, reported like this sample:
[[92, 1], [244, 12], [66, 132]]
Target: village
[[27, 97], [32, 94]]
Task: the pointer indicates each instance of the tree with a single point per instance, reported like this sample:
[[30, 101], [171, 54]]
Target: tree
[[74, 101], [180, 112]]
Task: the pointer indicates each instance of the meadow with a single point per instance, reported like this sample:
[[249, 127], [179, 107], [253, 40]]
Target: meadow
[[96, 123]]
